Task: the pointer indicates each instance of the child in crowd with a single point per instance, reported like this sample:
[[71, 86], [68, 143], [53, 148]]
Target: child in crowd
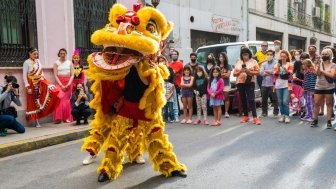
[[200, 89], [187, 94], [168, 110], [294, 103], [171, 79], [215, 91], [309, 86]]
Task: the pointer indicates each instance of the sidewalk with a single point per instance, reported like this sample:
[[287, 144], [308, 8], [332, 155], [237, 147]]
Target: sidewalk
[[36, 138]]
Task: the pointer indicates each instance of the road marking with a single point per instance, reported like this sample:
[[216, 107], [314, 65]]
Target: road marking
[[227, 130], [294, 178]]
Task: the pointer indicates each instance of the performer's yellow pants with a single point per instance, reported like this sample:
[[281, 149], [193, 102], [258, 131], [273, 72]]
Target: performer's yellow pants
[[121, 136]]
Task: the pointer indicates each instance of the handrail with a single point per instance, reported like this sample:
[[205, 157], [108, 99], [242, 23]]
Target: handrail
[[301, 18]]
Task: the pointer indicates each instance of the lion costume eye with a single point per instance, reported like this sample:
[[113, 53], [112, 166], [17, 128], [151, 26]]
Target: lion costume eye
[[151, 27]]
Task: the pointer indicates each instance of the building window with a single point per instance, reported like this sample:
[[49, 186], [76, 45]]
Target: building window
[[18, 31], [296, 42], [324, 44], [270, 7], [89, 16], [267, 35], [297, 13], [302, 12], [327, 15], [202, 38]]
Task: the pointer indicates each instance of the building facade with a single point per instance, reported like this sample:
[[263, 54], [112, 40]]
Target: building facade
[[297, 23], [198, 23]]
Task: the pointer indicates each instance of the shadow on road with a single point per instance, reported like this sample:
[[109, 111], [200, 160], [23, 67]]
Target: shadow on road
[[155, 182]]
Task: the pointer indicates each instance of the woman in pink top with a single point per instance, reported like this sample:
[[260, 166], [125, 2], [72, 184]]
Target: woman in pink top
[[246, 71], [64, 75]]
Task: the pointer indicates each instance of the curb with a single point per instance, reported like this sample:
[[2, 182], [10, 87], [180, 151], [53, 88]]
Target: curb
[[41, 142]]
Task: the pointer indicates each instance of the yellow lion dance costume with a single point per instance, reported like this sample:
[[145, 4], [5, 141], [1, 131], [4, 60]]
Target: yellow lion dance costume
[[129, 93]]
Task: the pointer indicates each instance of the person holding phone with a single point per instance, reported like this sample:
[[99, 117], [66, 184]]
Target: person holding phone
[[283, 71], [246, 70], [80, 105]]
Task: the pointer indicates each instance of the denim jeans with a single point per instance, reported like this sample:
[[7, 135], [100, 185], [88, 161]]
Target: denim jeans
[[283, 99], [9, 122], [168, 111], [176, 105], [246, 92]]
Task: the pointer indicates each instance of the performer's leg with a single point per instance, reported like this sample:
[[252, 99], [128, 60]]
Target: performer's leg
[[98, 135], [135, 148], [111, 164], [161, 150]]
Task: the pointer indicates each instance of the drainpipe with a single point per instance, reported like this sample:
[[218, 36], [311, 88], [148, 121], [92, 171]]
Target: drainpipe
[[247, 20]]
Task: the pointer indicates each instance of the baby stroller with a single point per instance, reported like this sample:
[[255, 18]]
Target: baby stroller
[[296, 101]]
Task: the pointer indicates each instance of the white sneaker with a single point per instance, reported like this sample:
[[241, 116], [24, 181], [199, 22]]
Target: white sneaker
[[227, 115], [88, 160], [37, 124], [281, 118], [287, 120], [140, 160]]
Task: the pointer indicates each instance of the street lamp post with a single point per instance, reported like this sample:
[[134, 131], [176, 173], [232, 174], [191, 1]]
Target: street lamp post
[[155, 3]]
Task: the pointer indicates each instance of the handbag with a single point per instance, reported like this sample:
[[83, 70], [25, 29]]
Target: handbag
[[8, 111], [248, 79], [284, 76], [329, 79]]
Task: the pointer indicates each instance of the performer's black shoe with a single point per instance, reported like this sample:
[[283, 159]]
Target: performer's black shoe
[[179, 174], [103, 177], [86, 121]]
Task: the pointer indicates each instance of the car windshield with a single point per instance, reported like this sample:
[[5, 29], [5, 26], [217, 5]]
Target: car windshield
[[202, 55], [233, 53]]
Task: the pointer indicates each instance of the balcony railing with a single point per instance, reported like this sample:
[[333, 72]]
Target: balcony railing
[[301, 18], [270, 7], [327, 27]]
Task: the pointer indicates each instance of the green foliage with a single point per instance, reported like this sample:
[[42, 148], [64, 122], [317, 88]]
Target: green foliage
[[290, 16]]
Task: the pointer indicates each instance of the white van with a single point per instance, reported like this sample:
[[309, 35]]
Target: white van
[[233, 52]]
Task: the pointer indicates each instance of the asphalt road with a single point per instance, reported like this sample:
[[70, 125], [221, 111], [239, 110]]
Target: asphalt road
[[233, 155]]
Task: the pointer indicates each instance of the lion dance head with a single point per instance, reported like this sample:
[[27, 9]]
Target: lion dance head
[[128, 38]]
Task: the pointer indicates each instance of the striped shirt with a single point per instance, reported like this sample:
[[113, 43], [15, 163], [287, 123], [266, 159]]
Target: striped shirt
[[309, 81]]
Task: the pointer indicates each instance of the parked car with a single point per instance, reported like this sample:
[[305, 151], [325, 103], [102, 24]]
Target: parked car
[[233, 52]]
